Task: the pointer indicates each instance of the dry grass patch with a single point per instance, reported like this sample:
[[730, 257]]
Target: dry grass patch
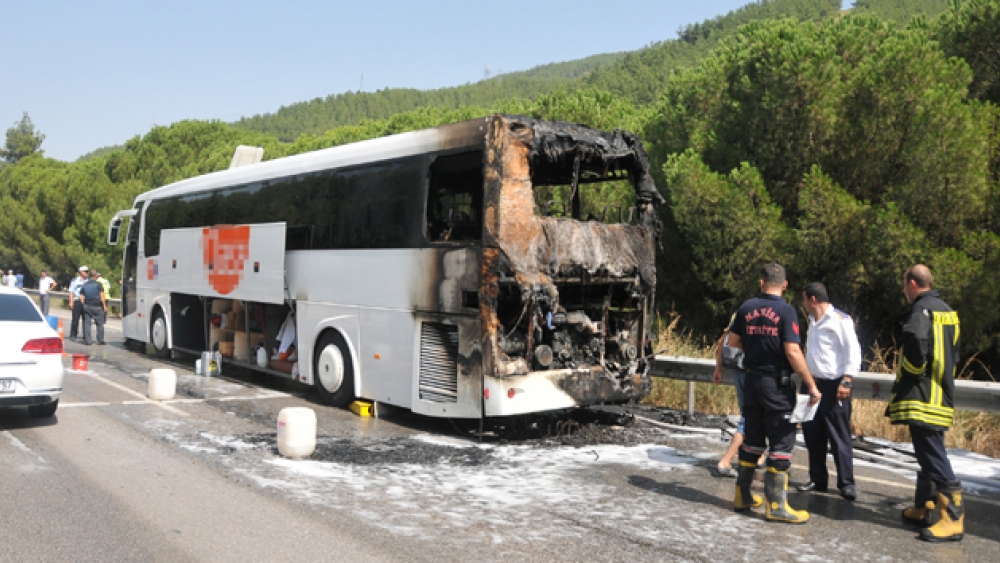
[[974, 431]]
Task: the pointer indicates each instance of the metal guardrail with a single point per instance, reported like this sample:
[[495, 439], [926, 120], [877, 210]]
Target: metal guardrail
[[980, 396], [112, 303]]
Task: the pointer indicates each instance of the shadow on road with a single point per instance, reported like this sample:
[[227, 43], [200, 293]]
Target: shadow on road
[[17, 418], [982, 518], [678, 490]]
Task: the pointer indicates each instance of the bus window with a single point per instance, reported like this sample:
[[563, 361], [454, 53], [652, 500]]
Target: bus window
[[604, 201], [455, 198]]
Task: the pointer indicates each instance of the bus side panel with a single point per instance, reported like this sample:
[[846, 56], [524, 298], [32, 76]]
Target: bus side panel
[[387, 356]]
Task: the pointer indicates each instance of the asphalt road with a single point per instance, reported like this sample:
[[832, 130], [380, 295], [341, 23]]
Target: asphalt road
[[115, 477]]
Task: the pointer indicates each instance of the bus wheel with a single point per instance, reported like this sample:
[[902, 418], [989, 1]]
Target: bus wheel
[[158, 334], [333, 370]]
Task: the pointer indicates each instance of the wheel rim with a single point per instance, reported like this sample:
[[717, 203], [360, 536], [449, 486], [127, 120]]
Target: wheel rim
[[331, 368], [159, 333]]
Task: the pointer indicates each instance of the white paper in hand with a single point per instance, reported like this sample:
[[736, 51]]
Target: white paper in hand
[[803, 412]]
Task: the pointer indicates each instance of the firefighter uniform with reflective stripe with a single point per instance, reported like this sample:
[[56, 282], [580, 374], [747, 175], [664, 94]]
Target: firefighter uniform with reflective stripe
[[924, 392], [923, 397]]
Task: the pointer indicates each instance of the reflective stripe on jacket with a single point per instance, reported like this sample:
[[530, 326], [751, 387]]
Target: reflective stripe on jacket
[[924, 392]]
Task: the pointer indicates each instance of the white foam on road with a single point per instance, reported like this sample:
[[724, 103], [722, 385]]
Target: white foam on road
[[976, 471]]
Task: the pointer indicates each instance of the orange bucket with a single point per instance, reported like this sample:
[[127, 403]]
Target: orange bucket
[[80, 362]]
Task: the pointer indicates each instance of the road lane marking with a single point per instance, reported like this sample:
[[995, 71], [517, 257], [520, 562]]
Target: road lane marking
[[22, 446], [124, 389], [147, 401]]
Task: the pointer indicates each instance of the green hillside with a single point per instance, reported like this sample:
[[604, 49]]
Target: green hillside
[[643, 75], [640, 75], [901, 11]]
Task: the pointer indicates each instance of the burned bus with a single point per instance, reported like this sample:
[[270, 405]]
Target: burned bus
[[463, 271]]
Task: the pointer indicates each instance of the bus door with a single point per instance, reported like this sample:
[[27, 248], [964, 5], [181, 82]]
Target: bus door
[[130, 263]]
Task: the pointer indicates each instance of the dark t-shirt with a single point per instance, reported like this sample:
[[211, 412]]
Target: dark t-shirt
[[765, 323], [91, 292]]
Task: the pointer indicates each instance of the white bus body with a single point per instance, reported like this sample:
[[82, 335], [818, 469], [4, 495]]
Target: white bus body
[[418, 267]]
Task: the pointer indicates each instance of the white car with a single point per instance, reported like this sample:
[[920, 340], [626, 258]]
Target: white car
[[31, 368]]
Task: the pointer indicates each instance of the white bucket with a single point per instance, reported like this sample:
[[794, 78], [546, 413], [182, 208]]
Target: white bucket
[[296, 432], [162, 384]]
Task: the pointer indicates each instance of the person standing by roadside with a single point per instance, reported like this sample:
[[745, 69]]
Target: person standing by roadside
[[834, 357], [923, 397], [10, 280], [104, 283], [767, 329], [724, 467], [77, 305], [45, 285], [95, 307]]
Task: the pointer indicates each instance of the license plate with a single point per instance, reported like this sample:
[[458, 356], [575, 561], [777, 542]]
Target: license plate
[[6, 385]]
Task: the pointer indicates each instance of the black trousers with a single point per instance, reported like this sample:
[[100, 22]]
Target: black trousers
[[767, 407], [74, 329], [832, 426], [928, 445]]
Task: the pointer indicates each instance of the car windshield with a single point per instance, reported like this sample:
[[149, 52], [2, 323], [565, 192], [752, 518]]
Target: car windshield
[[18, 308]]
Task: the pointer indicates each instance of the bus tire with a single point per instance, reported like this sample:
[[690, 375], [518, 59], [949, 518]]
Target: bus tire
[[333, 370], [158, 334]]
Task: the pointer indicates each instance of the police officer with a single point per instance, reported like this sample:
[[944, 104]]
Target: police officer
[[923, 398], [77, 306], [834, 358], [767, 329]]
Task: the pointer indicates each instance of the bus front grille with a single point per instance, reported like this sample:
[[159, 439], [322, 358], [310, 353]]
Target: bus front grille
[[438, 363]]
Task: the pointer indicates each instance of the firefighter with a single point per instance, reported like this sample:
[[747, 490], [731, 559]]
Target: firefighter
[[923, 397], [767, 329]]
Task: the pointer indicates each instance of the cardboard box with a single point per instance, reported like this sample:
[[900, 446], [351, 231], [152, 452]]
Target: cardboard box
[[236, 320], [221, 306], [244, 343], [226, 349]]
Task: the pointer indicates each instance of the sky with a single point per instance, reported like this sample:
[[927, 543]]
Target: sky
[[95, 74]]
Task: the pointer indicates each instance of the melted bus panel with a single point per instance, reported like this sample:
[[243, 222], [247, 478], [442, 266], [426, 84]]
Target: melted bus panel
[[566, 302]]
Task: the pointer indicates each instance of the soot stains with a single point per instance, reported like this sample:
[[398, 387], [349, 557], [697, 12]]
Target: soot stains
[[395, 451]]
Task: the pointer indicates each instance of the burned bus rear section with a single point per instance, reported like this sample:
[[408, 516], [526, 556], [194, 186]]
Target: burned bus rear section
[[566, 301]]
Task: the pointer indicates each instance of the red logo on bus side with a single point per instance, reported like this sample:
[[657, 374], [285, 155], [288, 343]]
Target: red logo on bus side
[[224, 250]]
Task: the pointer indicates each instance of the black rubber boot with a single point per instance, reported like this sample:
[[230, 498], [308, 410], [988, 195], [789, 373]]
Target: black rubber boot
[[744, 499], [922, 514], [950, 525], [776, 488]]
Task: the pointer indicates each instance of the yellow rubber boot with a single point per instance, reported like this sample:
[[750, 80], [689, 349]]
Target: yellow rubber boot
[[950, 524], [922, 514], [744, 499], [777, 509]]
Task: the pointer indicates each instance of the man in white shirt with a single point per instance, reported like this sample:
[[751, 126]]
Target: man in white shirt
[[834, 358], [45, 285], [74, 291], [10, 280]]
